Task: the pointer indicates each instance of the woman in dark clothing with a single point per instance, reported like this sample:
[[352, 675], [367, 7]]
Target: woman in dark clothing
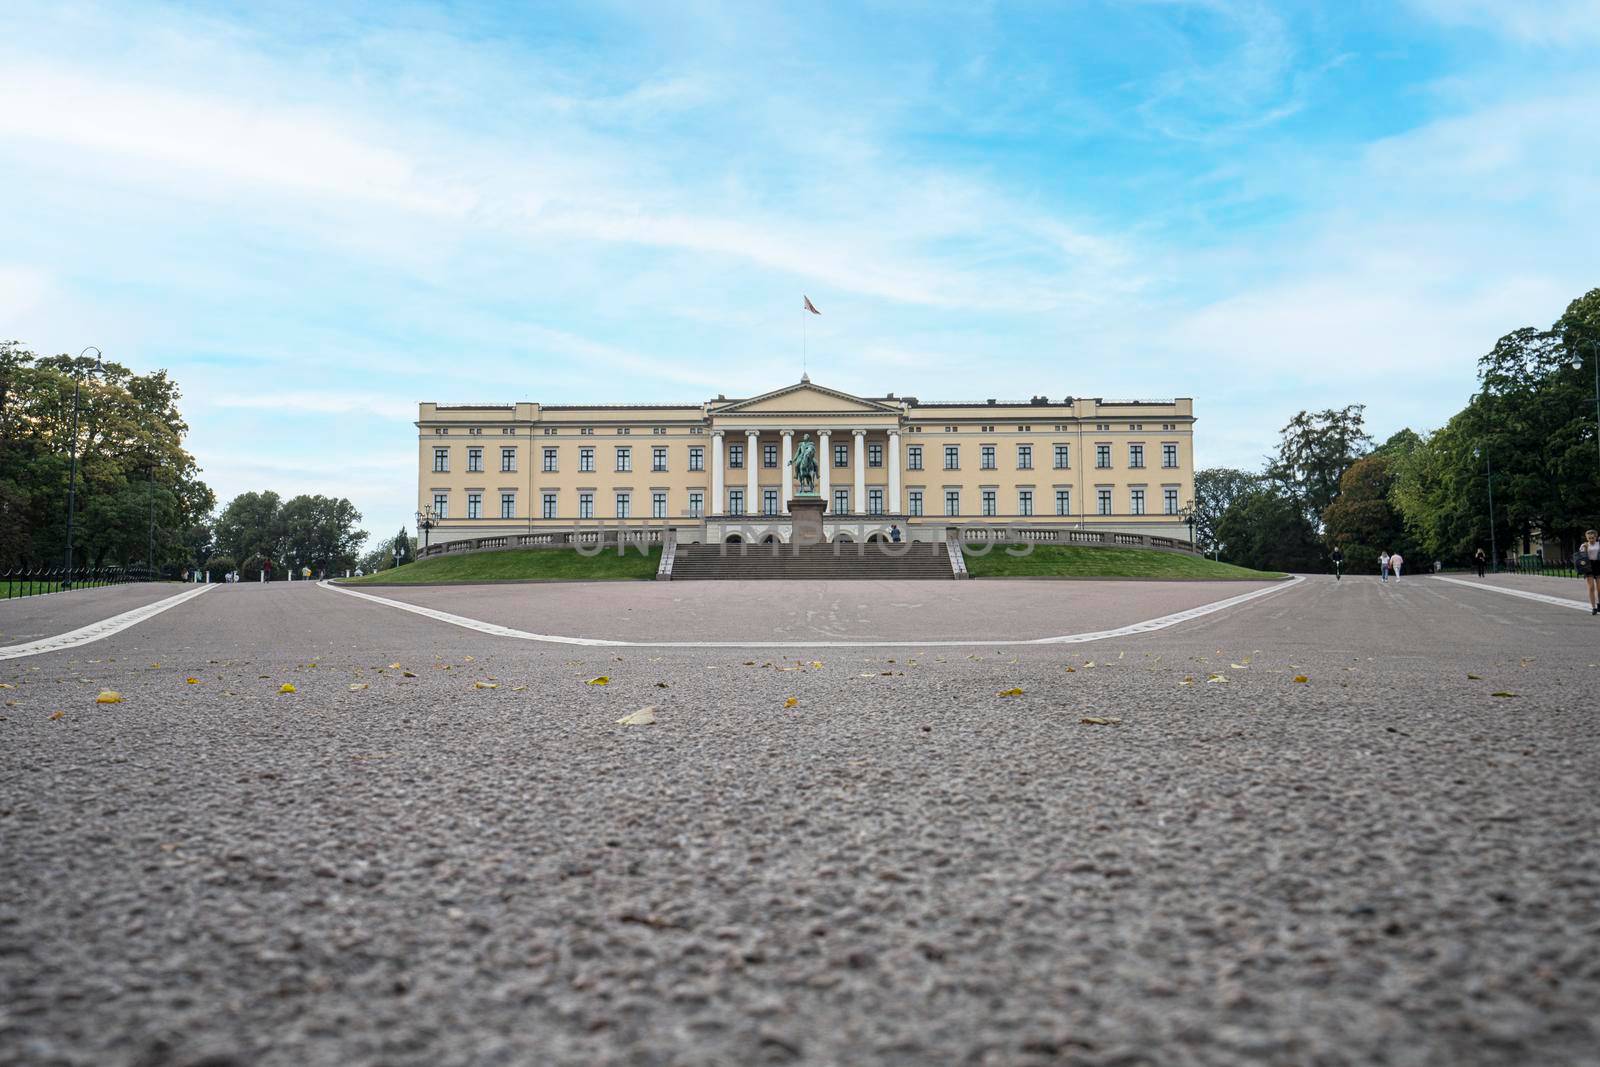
[[1480, 560]]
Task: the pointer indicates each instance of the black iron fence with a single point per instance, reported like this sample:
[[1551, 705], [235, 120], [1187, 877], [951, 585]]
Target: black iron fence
[[1541, 566], [36, 581]]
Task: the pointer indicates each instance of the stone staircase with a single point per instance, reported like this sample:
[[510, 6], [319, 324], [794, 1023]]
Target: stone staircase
[[919, 560]]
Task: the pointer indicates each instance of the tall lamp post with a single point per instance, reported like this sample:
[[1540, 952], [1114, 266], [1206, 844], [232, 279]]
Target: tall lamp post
[[1577, 364], [425, 522], [1494, 548], [72, 479]]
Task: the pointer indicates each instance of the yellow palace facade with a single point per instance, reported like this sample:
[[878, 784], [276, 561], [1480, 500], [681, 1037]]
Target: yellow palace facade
[[720, 470]]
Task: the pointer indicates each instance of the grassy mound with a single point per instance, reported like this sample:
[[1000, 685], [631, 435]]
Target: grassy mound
[[518, 563], [1074, 561]]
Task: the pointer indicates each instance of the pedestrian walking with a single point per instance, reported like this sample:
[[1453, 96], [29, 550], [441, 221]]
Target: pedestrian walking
[[1336, 557], [1480, 559], [1395, 562], [1383, 565], [1588, 561]]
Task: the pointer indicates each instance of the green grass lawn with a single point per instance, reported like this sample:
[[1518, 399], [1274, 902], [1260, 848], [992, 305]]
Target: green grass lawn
[[1073, 561], [519, 563]]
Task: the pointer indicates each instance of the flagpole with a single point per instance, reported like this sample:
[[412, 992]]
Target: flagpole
[[803, 354]]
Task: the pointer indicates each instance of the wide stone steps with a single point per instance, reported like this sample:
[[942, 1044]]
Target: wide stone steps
[[927, 561]]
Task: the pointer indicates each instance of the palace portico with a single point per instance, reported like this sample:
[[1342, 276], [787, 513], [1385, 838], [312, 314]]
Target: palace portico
[[723, 469]]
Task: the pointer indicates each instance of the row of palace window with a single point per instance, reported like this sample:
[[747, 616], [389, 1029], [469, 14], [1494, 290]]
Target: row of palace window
[[623, 503], [987, 458]]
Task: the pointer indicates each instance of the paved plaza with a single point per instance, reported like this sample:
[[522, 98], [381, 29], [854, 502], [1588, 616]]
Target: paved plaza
[[1162, 847]]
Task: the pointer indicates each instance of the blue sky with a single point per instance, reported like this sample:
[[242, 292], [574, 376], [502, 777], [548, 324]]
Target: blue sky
[[317, 215]]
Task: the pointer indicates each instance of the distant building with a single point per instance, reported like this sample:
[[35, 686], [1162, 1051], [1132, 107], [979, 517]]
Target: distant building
[[719, 470]]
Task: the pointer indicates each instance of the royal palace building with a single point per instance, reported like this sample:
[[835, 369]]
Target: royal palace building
[[720, 470]]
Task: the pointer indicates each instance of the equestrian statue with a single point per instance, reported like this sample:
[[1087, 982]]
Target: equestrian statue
[[805, 467]]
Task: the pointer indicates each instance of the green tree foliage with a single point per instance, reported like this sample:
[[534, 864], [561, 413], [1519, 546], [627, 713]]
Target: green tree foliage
[[313, 531], [382, 557], [1215, 489], [133, 471], [1363, 520], [219, 566], [1314, 451], [249, 526], [1266, 529]]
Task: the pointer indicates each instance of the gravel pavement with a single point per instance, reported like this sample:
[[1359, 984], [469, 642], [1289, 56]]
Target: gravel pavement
[[1387, 863]]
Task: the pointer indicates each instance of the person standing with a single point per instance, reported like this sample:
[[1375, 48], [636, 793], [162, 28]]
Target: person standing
[[1383, 565], [1336, 557], [1589, 567], [1480, 559], [1395, 562]]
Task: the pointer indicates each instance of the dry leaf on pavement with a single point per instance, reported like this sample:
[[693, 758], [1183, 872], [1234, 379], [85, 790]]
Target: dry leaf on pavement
[[604, 679], [1014, 692], [645, 716], [108, 696]]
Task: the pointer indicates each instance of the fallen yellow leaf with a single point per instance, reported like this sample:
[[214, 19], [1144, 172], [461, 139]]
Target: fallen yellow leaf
[[192, 681], [394, 666], [358, 685], [791, 702], [287, 687], [1217, 678], [1502, 694], [645, 716], [1072, 670], [1301, 678], [54, 715], [1240, 666], [518, 688], [1010, 692], [108, 696], [407, 674], [817, 663], [1475, 677], [604, 679], [1096, 720], [485, 685]]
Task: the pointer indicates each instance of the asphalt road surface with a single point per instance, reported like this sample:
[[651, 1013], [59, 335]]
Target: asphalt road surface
[[843, 856]]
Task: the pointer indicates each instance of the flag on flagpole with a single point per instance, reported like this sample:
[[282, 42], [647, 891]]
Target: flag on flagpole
[[809, 305]]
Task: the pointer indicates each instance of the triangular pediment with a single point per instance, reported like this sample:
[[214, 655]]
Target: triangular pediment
[[808, 397]]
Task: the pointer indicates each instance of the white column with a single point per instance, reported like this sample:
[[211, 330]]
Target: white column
[[717, 506], [788, 472], [825, 466], [752, 500], [893, 459], [858, 502]]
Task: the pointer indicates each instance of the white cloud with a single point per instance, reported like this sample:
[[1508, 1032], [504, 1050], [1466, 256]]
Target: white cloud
[[1563, 23]]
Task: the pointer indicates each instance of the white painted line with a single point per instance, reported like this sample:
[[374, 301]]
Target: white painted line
[[1559, 601], [97, 631], [1065, 639]]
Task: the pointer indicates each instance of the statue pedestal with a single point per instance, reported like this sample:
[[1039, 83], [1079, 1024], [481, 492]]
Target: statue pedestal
[[805, 514]]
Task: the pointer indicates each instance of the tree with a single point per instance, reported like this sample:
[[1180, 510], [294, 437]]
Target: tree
[[249, 526], [320, 532], [381, 556], [1314, 452], [1362, 520], [1268, 530], [1215, 489]]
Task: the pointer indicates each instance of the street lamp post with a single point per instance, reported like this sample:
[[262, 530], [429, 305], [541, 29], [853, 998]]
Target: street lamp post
[[425, 521], [1494, 548], [1577, 364], [72, 479]]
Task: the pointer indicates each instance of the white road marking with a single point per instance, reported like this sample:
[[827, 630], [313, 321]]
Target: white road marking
[[1560, 601], [1148, 626], [97, 631]]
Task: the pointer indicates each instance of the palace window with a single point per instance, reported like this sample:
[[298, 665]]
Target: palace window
[[585, 505], [1103, 498], [769, 456], [1169, 500], [952, 501], [548, 507], [508, 460], [1102, 456], [769, 501], [1063, 457], [474, 461], [508, 505], [474, 505], [697, 504], [1024, 457], [624, 459], [1135, 457], [874, 455], [658, 504], [1025, 502], [658, 459], [735, 501], [441, 505], [1063, 501], [952, 457], [507, 431], [986, 457], [441, 461], [624, 505], [441, 432], [841, 501], [875, 501], [841, 455], [913, 457], [989, 503], [914, 502], [736, 457], [697, 458], [550, 461], [1136, 501], [586, 460], [1169, 455]]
